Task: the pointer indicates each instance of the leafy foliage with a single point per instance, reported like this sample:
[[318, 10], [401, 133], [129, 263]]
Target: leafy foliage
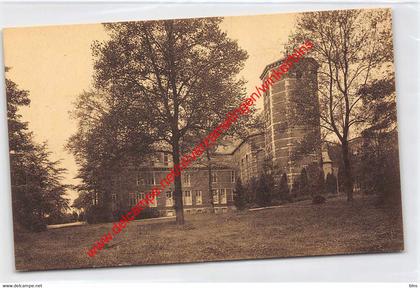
[[301, 185], [37, 189], [265, 189], [239, 196], [331, 184], [318, 199], [110, 134], [176, 74], [96, 214], [353, 49], [252, 190], [283, 188], [379, 105], [304, 182], [378, 163], [319, 183]]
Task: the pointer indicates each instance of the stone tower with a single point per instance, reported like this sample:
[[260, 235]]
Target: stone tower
[[290, 114]]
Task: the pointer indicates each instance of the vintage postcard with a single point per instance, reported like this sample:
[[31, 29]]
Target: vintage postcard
[[203, 139]]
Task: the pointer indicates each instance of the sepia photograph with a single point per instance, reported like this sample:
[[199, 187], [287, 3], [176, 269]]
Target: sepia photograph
[[203, 139]]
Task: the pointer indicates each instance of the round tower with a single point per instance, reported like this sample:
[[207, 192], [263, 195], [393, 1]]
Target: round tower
[[291, 116]]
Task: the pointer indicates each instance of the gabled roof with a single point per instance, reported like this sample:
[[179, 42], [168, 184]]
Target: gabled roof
[[246, 139]]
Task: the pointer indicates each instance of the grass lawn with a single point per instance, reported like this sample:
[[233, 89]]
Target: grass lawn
[[299, 229]]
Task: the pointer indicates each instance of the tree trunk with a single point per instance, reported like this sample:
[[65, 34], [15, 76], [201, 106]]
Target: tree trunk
[[210, 182], [179, 207], [106, 196], [348, 179]]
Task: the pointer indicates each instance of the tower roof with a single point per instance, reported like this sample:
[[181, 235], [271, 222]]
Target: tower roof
[[271, 66], [309, 60]]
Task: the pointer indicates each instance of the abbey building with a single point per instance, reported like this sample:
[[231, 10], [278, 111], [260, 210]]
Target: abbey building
[[287, 121]]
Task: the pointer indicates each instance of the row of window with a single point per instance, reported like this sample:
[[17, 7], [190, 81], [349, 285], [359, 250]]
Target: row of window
[[219, 197], [150, 178], [198, 211], [134, 198], [186, 197]]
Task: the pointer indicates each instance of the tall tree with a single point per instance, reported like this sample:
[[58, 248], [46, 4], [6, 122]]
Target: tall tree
[[175, 72], [351, 47], [379, 163], [37, 189], [110, 134]]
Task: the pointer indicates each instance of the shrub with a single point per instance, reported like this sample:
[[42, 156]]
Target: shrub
[[239, 195], [148, 212], [265, 187], [251, 191], [75, 216], [295, 191], [331, 184], [318, 183], [62, 219], [118, 214], [36, 225], [82, 216], [303, 183], [97, 214], [284, 188], [318, 199], [32, 222]]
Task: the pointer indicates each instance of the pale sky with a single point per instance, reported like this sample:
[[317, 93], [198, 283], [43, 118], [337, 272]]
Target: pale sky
[[55, 64]]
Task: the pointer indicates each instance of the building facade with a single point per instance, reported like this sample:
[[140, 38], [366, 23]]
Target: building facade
[[287, 122], [133, 182], [291, 115], [248, 157]]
